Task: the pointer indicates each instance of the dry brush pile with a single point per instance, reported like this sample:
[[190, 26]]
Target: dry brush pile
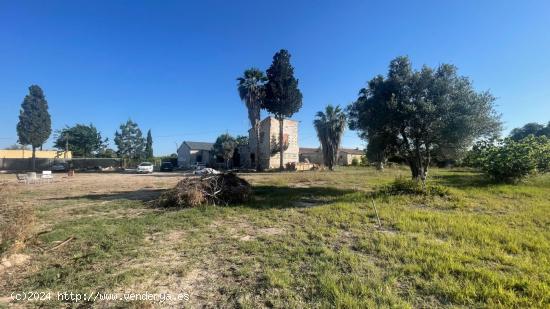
[[221, 189]]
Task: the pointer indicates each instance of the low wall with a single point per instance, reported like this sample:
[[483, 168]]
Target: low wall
[[19, 165]]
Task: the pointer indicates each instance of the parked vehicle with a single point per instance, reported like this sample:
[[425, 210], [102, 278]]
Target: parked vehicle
[[145, 167], [60, 167], [199, 166], [166, 167]]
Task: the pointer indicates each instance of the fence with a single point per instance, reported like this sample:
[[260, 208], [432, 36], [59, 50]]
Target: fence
[[46, 164]]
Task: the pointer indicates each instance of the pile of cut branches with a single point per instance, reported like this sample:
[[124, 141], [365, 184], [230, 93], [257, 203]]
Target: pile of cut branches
[[220, 189]]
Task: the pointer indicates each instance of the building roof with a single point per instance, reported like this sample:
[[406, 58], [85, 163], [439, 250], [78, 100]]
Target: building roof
[[199, 145], [304, 150], [352, 151]]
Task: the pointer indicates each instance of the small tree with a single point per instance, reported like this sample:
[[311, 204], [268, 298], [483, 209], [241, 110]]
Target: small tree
[[149, 146], [82, 140], [282, 96], [130, 141], [251, 91], [242, 140], [224, 147], [35, 124], [17, 147], [330, 126], [423, 114], [532, 128]]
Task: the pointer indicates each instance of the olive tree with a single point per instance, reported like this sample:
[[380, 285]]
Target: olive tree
[[423, 113]]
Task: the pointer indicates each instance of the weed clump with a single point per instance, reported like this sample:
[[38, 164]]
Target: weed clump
[[221, 189], [401, 186], [15, 223]]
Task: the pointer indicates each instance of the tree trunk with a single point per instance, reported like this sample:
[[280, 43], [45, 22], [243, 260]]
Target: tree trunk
[[281, 144], [380, 165], [257, 156], [33, 158]]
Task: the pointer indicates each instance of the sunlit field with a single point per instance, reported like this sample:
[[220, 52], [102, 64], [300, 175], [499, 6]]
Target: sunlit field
[[308, 239]]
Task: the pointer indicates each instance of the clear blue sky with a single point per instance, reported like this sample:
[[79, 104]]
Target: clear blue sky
[[171, 65]]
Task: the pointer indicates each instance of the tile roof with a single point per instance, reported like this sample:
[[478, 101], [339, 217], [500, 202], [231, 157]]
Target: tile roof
[[199, 145], [352, 151], [309, 150]]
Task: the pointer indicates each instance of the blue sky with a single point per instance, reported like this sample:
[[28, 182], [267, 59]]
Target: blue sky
[[171, 65]]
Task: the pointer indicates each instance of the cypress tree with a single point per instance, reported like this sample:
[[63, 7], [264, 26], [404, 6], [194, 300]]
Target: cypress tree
[[282, 96], [149, 146], [35, 124]]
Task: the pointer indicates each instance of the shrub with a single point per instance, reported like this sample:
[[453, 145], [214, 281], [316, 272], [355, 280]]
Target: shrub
[[355, 162], [509, 160], [402, 186], [16, 223]]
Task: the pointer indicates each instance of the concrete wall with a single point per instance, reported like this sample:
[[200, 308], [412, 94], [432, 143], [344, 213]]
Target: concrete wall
[[347, 158], [23, 154], [18, 165]]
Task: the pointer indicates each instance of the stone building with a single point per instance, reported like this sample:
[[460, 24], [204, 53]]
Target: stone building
[[191, 153], [345, 155], [311, 155], [269, 144]]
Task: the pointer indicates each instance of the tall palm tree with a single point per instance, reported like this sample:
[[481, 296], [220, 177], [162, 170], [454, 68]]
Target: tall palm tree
[[251, 91], [330, 126]]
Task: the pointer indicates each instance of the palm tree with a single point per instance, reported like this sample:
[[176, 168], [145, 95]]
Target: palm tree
[[251, 91], [330, 126]]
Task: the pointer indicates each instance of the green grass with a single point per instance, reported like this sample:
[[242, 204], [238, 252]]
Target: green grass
[[487, 245]]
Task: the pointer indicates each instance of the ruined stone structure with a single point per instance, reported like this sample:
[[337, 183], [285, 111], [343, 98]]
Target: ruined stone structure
[[269, 144], [192, 153]]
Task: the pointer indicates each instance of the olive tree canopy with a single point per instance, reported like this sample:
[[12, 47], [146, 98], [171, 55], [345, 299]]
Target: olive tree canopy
[[419, 114]]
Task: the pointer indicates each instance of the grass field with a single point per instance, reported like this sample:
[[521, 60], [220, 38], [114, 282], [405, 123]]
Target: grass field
[[308, 239]]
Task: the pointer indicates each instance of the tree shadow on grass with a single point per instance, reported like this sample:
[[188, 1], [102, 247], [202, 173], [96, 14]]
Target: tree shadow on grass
[[143, 195], [464, 180], [292, 197], [264, 197]]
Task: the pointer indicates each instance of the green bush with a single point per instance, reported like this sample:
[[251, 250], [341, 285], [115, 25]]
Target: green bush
[[509, 160], [355, 162], [402, 186]]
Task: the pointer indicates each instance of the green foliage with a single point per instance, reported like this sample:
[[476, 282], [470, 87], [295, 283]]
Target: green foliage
[[275, 146], [35, 124], [242, 140], [532, 128], [107, 153], [330, 127], [401, 186], [17, 147], [83, 140], [510, 160], [282, 96], [355, 162], [224, 147], [422, 114], [130, 141], [149, 146]]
